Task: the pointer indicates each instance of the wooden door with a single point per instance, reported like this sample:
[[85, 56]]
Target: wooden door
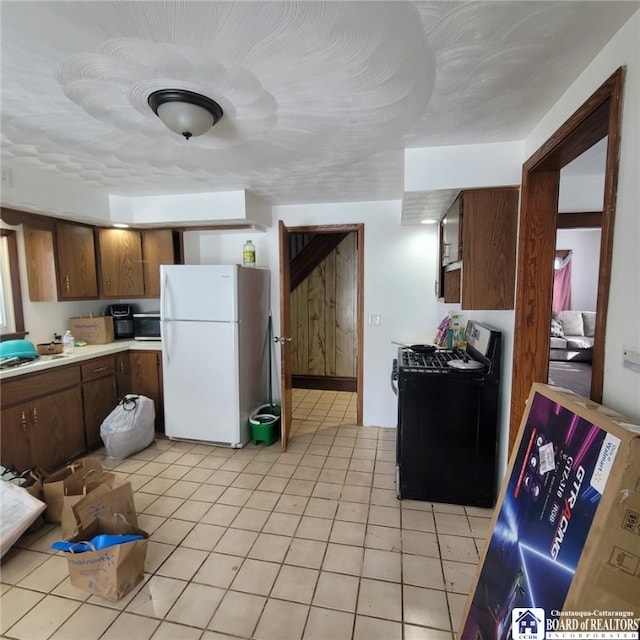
[[76, 259], [285, 332], [121, 273], [56, 428], [15, 430], [157, 249]]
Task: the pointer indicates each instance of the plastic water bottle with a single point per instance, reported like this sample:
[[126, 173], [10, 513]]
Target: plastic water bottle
[[248, 254], [456, 336], [68, 343]]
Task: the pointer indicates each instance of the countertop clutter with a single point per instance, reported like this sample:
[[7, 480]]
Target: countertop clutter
[[80, 354]]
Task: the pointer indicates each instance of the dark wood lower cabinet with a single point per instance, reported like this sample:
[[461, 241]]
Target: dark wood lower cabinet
[[54, 416], [99, 395], [146, 380], [100, 398], [56, 429], [16, 443], [123, 373], [44, 431]]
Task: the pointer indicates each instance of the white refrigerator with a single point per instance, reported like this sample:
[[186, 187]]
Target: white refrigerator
[[214, 323]]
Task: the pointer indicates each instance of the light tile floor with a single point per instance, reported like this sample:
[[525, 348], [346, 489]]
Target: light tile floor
[[311, 544]]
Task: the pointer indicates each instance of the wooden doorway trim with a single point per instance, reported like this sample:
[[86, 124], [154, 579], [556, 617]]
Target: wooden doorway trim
[[598, 117], [358, 229]]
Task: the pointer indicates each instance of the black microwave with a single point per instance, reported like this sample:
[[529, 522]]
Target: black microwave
[[146, 326]]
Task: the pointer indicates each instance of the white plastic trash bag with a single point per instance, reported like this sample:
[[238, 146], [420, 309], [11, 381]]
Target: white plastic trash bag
[[129, 427]]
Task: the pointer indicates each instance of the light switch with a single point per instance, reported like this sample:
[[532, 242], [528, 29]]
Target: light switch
[[374, 319]]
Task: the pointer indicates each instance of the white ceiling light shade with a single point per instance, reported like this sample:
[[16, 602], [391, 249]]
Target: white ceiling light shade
[[184, 112]]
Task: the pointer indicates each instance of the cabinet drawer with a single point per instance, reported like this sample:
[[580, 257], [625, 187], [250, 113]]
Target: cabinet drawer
[[98, 368], [26, 387]]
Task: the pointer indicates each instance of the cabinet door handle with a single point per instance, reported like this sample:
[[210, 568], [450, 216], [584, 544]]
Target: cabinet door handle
[[23, 421], [99, 369], [122, 368], [34, 416], [108, 283], [115, 390], [67, 283]]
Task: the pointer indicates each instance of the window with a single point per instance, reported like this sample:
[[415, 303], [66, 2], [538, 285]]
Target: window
[[11, 318]]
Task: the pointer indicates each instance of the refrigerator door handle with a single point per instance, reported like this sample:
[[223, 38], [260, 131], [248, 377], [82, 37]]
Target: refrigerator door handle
[[164, 332], [166, 342], [165, 294]]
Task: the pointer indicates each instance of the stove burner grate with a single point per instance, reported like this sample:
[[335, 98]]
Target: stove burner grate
[[434, 361]]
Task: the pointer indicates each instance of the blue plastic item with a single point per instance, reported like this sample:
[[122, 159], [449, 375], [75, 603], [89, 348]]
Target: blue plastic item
[[18, 349], [96, 543]]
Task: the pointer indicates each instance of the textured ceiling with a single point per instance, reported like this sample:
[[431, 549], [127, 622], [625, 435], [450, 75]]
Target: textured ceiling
[[320, 98]]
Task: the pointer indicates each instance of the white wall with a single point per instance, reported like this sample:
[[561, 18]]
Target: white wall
[[585, 247], [621, 386], [400, 265], [581, 193], [463, 166]]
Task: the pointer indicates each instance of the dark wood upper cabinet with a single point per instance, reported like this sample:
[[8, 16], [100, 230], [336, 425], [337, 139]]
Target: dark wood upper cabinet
[[451, 250], [76, 262], [121, 272], [478, 249], [157, 249], [61, 262], [40, 260]]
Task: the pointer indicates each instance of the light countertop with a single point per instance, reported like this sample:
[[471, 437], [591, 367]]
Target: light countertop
[[80, 354]]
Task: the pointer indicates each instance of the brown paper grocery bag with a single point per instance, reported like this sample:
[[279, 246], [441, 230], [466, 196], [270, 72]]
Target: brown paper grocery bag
[[34, 487], [111, 572], [113, 496], [55, 485], [92, 481]]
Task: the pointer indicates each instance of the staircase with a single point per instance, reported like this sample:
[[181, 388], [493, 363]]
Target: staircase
[[308, 250]]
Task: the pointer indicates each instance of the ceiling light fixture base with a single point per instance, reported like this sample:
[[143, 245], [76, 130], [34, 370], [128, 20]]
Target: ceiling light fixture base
[[185, 112]]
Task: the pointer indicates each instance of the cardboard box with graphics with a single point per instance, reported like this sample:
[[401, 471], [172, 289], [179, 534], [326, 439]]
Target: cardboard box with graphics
[[565, 536], [98, 330]]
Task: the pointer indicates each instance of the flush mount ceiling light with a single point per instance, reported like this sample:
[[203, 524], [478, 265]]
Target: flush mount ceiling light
[[185, 112]]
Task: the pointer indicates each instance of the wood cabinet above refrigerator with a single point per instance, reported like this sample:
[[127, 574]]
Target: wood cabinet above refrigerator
[[130, 261]]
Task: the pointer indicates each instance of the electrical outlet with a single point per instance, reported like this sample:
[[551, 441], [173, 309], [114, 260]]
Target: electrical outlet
[[5, 176]]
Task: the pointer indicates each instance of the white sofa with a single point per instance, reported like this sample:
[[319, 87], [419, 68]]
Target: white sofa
[[572, 335]]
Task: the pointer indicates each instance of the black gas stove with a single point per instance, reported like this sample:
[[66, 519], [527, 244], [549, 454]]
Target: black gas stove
[[447, 439]]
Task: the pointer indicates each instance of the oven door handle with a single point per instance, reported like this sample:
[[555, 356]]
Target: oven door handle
[[394, 383]]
